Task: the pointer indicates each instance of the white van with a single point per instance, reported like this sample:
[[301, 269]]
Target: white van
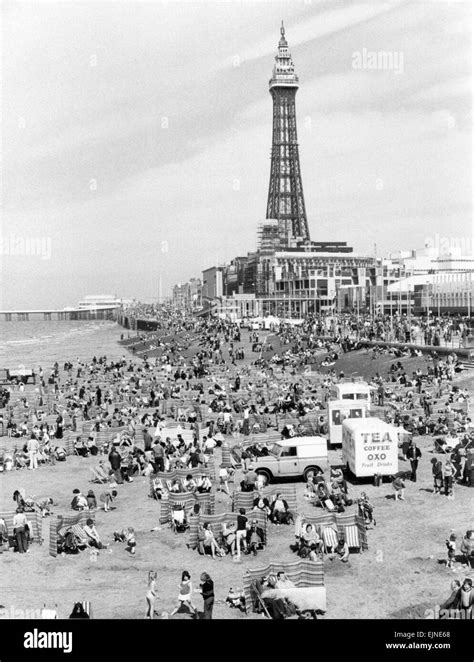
[[358, 391], [370, 446], [296, 457], [338, 411]]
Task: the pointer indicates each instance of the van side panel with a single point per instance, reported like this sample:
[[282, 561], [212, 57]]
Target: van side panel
[[348, 449]]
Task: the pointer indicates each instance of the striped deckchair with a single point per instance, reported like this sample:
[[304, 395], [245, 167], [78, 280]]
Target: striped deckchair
[[227, 459], [301, 573], [104, 436], [34, 519], [246, 499], [68, 443], [188, 500], [176, 474], [63, 522], [349, 525], [329, 536], [100, 475], [87, 606], [216, 522], [211, 466]]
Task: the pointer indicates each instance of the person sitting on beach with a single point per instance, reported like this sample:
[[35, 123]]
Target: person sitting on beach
[[175, 486], [81, 448], [310, 488], [189, 484], [209, 542], [130, 540], [282, 581], [79, 501], [336, 476], [280, 511], [229, 536], [93, 538], [261, 504], [255, 538], [60, 454], [341, 551], [310, 537], [204, 484], [236, 600], [178, 519]]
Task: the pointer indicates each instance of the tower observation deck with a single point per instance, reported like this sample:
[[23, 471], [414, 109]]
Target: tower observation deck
[[285, 191]]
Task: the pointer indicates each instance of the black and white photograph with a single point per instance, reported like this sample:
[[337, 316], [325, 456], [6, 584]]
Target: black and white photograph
[[236, 328]]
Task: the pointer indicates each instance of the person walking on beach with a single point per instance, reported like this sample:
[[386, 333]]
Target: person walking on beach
[[115, 460], [185, 594], [151, 595], [207, 592], [437, 471], [33, 448], [59, 426], [413, 454], [19, 529]]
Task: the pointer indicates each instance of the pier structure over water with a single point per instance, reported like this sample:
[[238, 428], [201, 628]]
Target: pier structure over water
[[64, 314]]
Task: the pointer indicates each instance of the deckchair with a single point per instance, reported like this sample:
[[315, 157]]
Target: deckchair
[[256, 593], [352, 537], [329, 538], [98, 476]]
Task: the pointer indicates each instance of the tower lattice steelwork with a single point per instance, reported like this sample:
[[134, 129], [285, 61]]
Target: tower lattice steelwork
[[285, 192]]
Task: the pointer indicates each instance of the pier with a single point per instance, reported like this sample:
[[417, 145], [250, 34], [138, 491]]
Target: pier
[[64, 314]]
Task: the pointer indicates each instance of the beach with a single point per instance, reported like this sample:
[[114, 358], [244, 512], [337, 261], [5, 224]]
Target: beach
[[402, 574]]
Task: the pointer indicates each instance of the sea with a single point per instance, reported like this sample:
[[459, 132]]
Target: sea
[[33, 343]]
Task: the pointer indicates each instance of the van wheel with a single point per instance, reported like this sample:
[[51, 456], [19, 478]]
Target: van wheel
[[308, 614], [266, 474], [309, 470]]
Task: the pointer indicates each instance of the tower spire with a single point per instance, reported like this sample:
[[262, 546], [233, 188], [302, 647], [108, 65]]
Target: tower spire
[[285, 192]]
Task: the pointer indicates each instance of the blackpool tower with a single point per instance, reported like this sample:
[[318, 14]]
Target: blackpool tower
[[285, 191]]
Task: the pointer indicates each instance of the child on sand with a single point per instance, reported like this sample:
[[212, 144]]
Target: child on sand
[[130, 540], [451, 546], [107, 498]]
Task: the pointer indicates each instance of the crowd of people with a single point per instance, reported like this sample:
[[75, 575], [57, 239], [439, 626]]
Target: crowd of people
[[188, 392]]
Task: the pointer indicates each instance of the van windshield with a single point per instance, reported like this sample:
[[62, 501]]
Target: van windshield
[[276, 450]]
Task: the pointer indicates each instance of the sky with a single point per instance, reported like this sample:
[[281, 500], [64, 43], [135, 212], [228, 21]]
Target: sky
[[136, 136]]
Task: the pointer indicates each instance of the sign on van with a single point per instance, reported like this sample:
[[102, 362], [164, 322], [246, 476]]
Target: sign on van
[[369, 453]]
